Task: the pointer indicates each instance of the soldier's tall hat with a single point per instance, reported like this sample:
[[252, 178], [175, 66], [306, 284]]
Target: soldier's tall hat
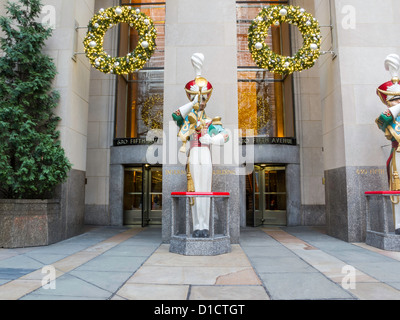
[[199, 84], [391, 90], [199, 87]]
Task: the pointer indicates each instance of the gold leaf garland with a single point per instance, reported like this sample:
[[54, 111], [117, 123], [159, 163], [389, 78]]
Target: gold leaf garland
[[265, 58], [108, 18], [152, 118]]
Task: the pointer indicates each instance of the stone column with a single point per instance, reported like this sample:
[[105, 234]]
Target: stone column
[[208, 27], [99, 196], [72, 82], [355, 150]]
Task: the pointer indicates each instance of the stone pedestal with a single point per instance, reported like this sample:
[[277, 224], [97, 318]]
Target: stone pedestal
[[182, 242], [379, 215], [189, 246], [384, 241]]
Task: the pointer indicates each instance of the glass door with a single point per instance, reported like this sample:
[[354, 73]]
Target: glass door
[[133, 195], [266, 196], [143, 195], [274, 196], [155, 196]]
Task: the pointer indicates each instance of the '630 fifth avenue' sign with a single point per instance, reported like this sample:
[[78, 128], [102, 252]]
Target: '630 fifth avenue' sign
[[246, 140]]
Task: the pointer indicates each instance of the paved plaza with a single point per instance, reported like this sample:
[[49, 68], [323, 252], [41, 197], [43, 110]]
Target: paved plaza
[[270, 263]]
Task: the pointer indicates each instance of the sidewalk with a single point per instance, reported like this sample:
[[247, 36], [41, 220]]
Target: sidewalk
[[108, 263]]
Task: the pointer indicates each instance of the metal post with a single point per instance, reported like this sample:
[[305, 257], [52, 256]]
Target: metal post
[[173, 217], [368, 217], [187, 217], [385, 222], [227, 217], [212, 217]]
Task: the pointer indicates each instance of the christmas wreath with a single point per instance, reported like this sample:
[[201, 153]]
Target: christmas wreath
[[106, 19], [265, 58]]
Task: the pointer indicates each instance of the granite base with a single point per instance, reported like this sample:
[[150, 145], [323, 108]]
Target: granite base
[[384, 241], [183, 245]]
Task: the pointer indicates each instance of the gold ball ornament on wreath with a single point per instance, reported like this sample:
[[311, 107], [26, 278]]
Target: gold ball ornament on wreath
[[262, 54], [108, 18]]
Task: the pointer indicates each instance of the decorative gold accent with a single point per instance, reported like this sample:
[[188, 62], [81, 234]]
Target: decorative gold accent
[[152, 118], [388, 135], [203, 93], [201, 82], [192, 118], [190, 183], [185, 133], [217, 121], [394, 183], [393, 133], [388, 93]]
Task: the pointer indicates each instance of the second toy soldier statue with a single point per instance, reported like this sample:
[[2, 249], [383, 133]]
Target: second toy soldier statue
[[199, 131], [389, 123]]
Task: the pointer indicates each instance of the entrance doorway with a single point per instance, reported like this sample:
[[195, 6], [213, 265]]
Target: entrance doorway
[[143, 195], [266, 196]]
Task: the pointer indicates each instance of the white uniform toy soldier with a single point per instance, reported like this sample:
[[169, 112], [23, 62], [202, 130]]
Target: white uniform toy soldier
[[389, 123], [200, 132]]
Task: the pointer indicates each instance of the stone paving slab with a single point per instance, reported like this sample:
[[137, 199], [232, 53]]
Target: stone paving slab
[[222, 293], [383, 271], [46, 258], [302, 286], [145, 291], [107, 280], [69, 286], [375, 291], [284, 264], [13, 273], [21, 261], [112, 263], [131, 250]]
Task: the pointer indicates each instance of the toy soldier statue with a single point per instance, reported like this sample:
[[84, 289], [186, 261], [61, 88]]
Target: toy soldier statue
[[200, 132], [389, 123]]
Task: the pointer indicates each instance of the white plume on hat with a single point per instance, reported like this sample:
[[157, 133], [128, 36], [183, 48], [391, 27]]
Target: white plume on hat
[[198, 62], [392, 64]]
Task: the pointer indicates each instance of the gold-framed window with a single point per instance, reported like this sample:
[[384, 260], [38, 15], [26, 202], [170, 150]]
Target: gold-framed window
[[139, 102], [266, 107]]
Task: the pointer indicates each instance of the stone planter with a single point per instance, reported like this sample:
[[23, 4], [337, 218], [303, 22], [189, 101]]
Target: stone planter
[[29, 223]]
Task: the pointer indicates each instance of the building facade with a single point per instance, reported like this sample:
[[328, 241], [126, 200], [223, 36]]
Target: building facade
[[303, 150]]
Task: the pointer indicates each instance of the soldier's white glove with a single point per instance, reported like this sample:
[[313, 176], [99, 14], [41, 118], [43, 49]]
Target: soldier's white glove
[[216, 140], [206, 139], [195, 100], [395, 110]]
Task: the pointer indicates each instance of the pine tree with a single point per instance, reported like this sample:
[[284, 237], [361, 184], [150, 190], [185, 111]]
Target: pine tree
[[32, 161]]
